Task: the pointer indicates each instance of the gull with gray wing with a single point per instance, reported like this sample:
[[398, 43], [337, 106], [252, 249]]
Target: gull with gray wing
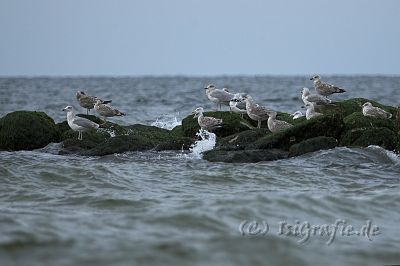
[[77, 123], [307, 97], [218, 96]]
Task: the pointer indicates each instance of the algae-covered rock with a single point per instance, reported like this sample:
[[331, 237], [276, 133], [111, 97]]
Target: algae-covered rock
[[245, 156], [328, 126], [380, 136], [232, 123], [27, 130], [311, 145], [240, 140], [177, 143]]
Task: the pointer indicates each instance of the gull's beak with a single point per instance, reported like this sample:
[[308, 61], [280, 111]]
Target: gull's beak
[[303, 106], [205, 88], [64, 110], [311, 78]]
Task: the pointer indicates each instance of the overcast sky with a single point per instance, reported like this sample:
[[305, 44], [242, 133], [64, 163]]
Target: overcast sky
[[199, 37]]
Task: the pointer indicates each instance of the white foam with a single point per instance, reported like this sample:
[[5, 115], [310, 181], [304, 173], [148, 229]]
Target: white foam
[[166, 122], [207, 142], [395, 158]]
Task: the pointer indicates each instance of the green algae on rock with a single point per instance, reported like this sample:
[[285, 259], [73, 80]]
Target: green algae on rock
[[312, 145]]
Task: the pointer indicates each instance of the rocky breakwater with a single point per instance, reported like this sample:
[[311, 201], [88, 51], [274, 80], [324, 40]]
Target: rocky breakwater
[[238, 140]]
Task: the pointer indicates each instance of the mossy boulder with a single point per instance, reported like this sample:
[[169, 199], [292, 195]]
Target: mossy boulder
[[380, 136], [240, 140], [245, 156], [232, 123], [328, 126], [176, 143], [27, 130], [312, 145]]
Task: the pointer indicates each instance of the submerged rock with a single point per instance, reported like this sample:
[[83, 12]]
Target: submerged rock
[[312, 145], [245, 156], [27, 130], [380, 136]]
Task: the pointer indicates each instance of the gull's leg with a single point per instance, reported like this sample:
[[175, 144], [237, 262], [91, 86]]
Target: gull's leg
[[259, 124], [87, 111]]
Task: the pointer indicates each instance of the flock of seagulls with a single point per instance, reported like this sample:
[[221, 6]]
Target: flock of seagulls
[[243, 103], [89, 102]]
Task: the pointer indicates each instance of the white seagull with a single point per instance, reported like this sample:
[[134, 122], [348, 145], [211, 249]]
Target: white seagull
[[218, 96], [307, 97], [310, 113], [106, 110], [297, 115], [77, 123], [237, 104], [276, 125]]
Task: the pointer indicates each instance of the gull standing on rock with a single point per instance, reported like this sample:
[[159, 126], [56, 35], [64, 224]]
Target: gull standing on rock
[[206, 122], [87, 101], [255, 111], [106, 110], [369, 110], [276, 125], [325, 89], [77, 123], [310, 113], [218, 96], [316, 99], [238, 105]]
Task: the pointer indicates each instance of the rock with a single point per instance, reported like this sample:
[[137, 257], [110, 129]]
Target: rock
[[27, 130], [240, 140], [180, 143], [120, 144], [329, 126], [132, 138], [244, 156], [312, 145], [232, 123], [380, 136]]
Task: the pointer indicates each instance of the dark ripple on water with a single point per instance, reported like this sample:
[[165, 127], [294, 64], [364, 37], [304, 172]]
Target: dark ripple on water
[[163, 208]]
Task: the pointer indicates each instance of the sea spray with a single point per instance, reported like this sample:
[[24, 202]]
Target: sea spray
[[206, 143], [166, 122]]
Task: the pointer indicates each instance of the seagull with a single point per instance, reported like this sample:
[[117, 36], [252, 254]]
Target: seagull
[[237, 104], [218, 96], [323, 88], [87, 101], [106, 110], [206, 122], [276, 125], [255, 111], [297, 115], [77, 123], [310, 113], [316, 99], [372, 111]]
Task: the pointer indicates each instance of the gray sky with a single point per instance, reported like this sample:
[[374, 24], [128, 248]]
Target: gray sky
[[199, 37]]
